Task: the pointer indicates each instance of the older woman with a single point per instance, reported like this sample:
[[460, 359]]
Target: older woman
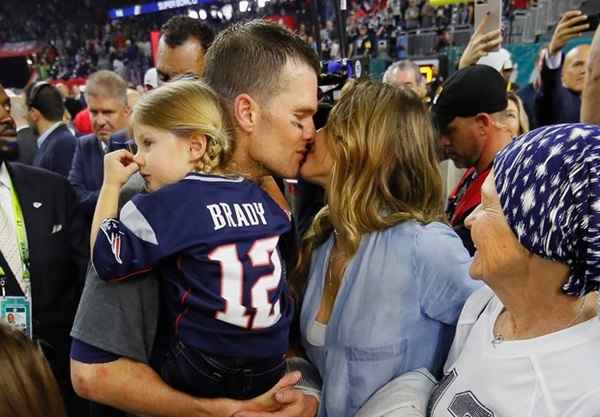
[[528, 345], [383, 277]]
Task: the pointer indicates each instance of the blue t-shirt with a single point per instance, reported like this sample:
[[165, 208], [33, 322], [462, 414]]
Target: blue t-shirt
[[214, 240]]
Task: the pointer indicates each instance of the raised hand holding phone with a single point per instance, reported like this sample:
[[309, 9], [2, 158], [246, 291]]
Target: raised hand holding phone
[[571, 25], [481, 43]]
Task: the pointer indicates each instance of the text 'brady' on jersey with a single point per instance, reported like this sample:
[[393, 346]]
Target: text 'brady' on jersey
[[214, 240]]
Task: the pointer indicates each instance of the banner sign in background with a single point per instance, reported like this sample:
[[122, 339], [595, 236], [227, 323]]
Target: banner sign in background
[[155, 7]]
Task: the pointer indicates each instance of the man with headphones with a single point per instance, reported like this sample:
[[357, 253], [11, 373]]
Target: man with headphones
[[56, 144]]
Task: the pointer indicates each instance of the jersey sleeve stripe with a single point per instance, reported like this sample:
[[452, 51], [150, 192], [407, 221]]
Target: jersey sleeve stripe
[[132, 218]]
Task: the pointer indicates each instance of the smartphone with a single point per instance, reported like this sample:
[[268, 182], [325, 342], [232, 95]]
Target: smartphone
[[494, 9], [593, 21], [592, 10]]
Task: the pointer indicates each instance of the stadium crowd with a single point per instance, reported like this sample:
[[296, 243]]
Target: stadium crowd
[[210, 237]]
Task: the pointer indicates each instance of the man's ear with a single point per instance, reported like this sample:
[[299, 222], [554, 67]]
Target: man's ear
[[198, 144], [484, 122], [245, 112]]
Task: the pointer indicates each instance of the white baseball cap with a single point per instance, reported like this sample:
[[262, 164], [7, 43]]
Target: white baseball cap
[[151, 78]]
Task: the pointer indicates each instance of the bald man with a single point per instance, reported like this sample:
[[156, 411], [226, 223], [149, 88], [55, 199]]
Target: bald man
[[590, 98], [559, 99]]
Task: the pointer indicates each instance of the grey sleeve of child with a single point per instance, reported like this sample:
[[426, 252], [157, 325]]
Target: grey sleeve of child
[[119, 317]]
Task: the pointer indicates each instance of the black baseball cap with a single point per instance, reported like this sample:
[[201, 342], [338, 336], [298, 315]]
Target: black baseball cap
[[468, 92]]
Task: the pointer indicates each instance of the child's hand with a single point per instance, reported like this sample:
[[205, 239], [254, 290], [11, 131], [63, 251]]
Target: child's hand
[[118, 167]]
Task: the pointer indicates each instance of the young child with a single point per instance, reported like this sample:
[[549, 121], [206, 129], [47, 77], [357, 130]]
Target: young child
[[213, 238]]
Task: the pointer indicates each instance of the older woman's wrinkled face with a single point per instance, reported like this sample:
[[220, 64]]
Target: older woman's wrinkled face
[[499, 253]]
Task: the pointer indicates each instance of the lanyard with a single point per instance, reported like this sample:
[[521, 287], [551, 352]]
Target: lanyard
[[21, 237]]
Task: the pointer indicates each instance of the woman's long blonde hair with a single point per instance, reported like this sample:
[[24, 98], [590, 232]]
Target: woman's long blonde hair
[[185, 108], [27, 385], [385, 169]]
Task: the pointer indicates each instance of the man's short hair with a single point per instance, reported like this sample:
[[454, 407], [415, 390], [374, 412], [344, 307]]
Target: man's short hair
[[249, 58], [46, 98], [404, 65], [108, 84], [179, 29]]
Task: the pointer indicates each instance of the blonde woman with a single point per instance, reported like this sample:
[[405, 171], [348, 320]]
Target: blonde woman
[[516, 117], [27, 385], [383, 277], [212, 236]]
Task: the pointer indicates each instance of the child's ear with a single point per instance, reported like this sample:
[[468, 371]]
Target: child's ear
[[197, 145]]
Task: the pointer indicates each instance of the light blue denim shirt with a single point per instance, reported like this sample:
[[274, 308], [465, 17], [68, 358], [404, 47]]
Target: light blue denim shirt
[[395, 311]]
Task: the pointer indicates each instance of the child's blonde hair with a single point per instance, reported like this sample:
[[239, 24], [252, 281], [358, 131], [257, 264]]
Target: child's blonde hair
[[185, 108]]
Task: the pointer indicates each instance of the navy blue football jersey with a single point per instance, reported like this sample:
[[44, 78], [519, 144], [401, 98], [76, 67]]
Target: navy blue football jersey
[[214, 239]]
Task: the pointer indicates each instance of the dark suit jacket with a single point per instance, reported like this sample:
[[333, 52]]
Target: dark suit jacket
[[527, 95], [554, 103], [56, 152], [87, 169], [58, 262], [26, 141]]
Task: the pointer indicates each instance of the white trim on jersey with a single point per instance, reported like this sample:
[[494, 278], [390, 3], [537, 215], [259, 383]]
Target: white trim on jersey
[[132, 218], [200, 177]]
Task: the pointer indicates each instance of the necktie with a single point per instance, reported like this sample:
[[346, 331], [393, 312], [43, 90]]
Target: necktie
[[8, 243]]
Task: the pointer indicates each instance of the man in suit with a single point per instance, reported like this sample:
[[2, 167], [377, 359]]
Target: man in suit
[[558, 100], [106, 95], [56, 144], [43, 255]]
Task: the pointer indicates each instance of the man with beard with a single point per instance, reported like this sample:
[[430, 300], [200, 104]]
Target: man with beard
[[56, 144], [470, 114], [43, 255], [270, 109]]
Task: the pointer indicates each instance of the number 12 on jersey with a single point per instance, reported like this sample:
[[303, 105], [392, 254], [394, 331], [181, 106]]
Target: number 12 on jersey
[[262, 253]]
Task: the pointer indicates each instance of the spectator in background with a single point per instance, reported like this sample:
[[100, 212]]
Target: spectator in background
[[558, 100], [470, 114], [181, 48], [590, 99], [26, 137], [83, 123], [516, 118], [27, 386], [363, 43], [406, 74], [527, 94], [481, 45], [106, 95], [56, 144], [412, 15], [150, 79]]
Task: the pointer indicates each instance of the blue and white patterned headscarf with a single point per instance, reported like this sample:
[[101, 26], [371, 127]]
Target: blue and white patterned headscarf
[[548, 181]]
